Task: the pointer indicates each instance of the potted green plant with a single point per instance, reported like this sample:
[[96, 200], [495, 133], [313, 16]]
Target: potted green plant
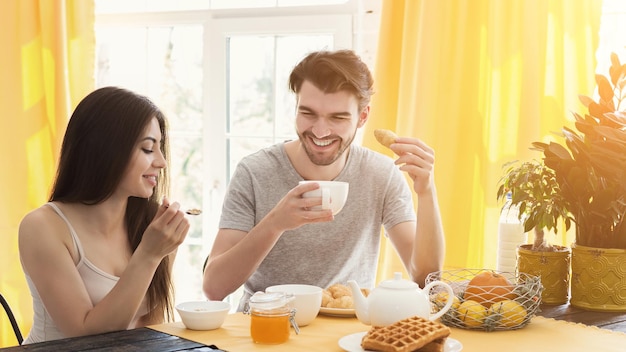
[[590, 171], [535, 192]]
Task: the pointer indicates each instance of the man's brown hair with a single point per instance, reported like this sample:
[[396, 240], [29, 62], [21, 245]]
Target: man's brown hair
[[334, 71]]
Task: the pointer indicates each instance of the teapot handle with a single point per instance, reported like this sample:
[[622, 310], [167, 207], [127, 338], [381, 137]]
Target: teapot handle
[[449, 303]]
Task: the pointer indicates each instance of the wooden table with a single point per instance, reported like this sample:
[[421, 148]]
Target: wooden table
[[615, 321], [147, 339]]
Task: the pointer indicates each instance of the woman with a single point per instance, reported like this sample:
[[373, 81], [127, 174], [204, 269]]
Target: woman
[[97, 257]]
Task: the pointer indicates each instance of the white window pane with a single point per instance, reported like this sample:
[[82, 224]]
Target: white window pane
[[289, 51], [260, 103], [251, 85]]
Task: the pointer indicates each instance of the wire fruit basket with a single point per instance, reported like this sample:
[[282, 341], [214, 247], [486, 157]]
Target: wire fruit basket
[[487, 300]]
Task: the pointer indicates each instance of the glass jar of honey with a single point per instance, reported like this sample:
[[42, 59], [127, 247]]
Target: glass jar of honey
[[271, 317]]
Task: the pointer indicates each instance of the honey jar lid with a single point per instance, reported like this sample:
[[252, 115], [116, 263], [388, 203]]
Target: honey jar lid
[[270, 300]]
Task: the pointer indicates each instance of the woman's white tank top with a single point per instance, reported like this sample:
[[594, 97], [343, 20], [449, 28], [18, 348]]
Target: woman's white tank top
[[97, 282]]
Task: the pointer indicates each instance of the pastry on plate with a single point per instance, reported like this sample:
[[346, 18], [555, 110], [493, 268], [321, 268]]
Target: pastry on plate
[[339, 296]]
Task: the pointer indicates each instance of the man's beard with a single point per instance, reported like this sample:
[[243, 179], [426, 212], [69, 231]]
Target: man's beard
[[323, 161]]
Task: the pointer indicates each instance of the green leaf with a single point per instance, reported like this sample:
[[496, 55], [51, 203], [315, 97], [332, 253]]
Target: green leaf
[[585, 100], [605, 90], [559, 151]]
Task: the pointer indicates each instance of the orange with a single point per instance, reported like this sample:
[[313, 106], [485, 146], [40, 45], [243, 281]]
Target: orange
[[488, 288]]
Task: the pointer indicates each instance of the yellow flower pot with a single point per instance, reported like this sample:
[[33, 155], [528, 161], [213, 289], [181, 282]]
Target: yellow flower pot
[[552, 267], [598, 278]]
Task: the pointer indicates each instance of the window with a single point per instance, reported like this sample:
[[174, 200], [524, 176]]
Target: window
[[612, 29], [220, 76]]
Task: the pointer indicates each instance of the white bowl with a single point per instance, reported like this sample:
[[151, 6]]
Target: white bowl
[[203, 315], [307, 301]]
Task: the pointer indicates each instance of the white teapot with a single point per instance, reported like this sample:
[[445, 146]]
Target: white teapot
[[396, 299]]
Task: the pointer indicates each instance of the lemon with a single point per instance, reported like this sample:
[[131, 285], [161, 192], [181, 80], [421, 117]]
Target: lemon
[[441, 299], [471, 313], [510, 313]]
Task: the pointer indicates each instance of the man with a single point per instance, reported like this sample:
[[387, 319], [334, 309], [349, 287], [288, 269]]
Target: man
[[269, 235]]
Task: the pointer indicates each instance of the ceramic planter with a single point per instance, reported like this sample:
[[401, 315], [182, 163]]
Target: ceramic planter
[[552, 267], [598, 278]]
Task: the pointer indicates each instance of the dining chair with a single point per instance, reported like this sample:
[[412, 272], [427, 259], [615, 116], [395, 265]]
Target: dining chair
[[16, 328], [206, 260]]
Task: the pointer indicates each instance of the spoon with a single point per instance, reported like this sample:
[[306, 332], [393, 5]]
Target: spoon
[[193, 211]]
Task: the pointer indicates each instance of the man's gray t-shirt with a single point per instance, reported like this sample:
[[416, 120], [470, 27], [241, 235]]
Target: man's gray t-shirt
[[319, 254]]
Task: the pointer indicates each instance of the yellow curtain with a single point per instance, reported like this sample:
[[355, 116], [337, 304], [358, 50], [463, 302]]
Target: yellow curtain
[[47, 66], [479, 80]]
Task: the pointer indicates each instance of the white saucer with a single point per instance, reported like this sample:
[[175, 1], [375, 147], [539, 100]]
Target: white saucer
[[352, 343]]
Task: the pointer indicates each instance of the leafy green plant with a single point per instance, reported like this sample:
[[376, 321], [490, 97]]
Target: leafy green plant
[[535, 191], [587, 175]]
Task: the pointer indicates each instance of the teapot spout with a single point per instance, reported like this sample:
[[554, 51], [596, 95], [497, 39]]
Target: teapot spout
[[361, 307]]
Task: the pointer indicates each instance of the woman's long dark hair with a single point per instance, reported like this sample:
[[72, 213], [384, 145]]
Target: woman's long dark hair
[[99, 142]]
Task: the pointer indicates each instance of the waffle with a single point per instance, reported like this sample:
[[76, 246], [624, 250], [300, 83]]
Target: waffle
[[435, 346], [407, 335]]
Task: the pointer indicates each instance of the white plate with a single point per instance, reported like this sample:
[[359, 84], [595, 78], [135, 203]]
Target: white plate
[[338, 312], [352, 343]]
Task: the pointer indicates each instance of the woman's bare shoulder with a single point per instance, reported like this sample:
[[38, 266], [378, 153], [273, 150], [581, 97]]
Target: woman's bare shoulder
[[42, 219], [43, 236], [39, 216]]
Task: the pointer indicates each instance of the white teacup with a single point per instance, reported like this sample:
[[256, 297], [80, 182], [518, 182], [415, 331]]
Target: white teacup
[[333, 193], [307, 300]]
